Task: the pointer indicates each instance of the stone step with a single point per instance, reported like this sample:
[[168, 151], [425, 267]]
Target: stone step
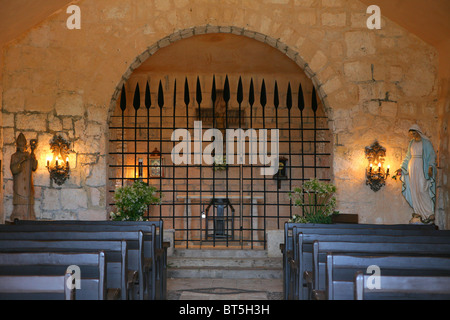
[[178, 262], [225, 264], [225, 273], [218, 253]]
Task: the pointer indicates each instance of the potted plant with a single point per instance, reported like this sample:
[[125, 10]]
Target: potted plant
[[220, 163], [317, 201], [132, 201]]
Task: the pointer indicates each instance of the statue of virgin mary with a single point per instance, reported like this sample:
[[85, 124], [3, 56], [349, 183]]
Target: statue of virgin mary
[[418, 176]]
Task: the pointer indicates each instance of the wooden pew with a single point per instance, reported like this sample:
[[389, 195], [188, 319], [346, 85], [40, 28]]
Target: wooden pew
[[304, 268], [341, 270], [135, 245], [119, 280], [160, 250], [92, 268], [292, 229], [403, 288], [297, 260], [155, 265], [31, 287], [322, 248]]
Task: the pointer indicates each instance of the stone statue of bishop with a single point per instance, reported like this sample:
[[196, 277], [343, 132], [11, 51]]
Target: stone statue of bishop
[[23, 163]]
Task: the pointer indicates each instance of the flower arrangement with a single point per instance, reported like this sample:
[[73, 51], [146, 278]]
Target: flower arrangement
[[133, 201], [220, 163], [317, 201]]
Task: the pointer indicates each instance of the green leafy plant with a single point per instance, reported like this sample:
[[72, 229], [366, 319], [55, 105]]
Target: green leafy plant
[[133, 201], [317, 201]]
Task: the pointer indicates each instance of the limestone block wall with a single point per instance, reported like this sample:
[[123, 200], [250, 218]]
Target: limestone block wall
[[373, 83]]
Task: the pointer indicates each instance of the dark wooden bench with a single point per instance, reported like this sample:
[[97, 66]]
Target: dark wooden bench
[[322, 248], [36, 287], [92, 268], [291, 229], [310, 234], [341, 271], [160, 248], [156, 263], [119, 280], [403, 288], [135, 247], [302, 265]]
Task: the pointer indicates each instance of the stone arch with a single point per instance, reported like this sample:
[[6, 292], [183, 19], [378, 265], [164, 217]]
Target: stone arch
[[285, 52], [190, 32]]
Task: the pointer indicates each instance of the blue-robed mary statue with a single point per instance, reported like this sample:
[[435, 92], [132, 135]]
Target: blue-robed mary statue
[[418, 176]]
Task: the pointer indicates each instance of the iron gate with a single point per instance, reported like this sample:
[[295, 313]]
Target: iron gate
[[218, 204]]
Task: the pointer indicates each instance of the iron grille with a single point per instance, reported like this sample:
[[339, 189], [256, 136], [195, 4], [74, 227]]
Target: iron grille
[[207, 206]]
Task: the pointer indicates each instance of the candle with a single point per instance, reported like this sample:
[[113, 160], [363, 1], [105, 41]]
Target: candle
[[56, 161], [370, 170], [67, 162], [48, 161], [388, 169], [379, 167]]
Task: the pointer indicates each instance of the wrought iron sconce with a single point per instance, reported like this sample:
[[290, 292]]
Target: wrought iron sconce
[[282, 171], [375, 174], [58, 168]]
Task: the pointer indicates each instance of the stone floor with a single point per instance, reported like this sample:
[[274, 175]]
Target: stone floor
[[225, 289]]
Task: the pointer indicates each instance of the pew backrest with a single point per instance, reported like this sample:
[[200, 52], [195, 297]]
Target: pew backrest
[[291, 230], [115, 251], [306, 262], [30, 286], [371, 248], [402, 288], [135, 243], [159, 225], [341, 270], [51, 263]]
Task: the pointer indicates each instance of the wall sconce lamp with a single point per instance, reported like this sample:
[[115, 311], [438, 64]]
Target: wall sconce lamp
[[58, 168], [376, 177]]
